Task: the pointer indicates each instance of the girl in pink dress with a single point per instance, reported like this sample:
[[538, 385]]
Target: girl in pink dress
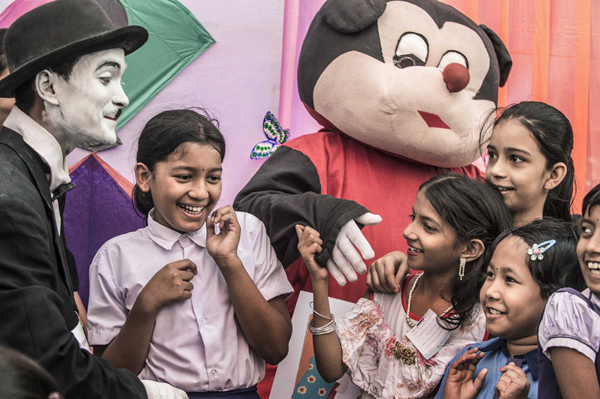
[[455, 220]]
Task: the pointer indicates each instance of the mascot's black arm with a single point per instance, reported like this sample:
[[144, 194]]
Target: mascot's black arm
[[286, 191]]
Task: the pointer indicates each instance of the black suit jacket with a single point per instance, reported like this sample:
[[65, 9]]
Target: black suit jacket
[[37, 309]]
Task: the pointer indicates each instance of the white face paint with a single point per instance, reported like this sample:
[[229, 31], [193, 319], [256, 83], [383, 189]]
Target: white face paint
[[89, 103]]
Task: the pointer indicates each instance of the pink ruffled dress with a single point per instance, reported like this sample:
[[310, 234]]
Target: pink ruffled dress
[[378, 353]]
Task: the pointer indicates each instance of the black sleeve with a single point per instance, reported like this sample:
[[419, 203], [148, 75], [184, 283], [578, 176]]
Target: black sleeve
[[286, 191], [72, 268], [72, 265], [36, 314]]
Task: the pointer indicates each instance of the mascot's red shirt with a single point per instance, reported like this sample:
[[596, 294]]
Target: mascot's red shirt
[[355, 179]]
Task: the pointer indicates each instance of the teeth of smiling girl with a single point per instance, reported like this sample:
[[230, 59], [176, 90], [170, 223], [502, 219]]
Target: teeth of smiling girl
[[593, 265], [413, 249], [494, 311], [193, 210]]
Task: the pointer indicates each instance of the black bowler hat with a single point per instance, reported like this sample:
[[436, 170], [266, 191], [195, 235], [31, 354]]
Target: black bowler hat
[[58, 31]]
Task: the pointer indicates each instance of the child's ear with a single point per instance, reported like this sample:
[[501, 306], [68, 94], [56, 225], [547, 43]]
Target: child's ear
[[143, 175], [473, 250], [556, 176]]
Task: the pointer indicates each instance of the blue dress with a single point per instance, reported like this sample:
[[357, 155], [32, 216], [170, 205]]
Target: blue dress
[[496, 356]]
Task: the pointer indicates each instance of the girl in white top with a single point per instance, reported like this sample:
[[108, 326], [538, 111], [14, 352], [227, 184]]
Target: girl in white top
[[455, 220], [569, 332], [184, 301]]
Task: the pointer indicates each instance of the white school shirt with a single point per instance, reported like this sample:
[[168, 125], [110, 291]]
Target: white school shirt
[[196, 345]]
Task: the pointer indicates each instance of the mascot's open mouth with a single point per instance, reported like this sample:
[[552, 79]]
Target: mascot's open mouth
[[433, 120]]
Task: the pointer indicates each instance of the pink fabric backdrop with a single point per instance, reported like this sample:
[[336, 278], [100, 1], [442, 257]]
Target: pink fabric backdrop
[[555, 46]]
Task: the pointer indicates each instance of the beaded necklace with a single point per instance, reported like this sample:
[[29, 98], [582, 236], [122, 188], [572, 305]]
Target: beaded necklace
[[408, 320]]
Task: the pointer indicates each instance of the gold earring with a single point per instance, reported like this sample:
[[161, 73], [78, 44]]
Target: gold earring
[[461, 268]]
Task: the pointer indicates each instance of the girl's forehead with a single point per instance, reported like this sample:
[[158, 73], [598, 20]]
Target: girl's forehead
[[511, 256], [191, 150], [512, 133], [593, 213], [423, 207]]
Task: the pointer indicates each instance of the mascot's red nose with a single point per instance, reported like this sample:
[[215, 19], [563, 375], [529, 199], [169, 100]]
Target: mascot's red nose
[[456, 77]]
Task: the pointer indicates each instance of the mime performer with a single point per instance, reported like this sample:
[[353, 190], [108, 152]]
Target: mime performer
[[66, 59]]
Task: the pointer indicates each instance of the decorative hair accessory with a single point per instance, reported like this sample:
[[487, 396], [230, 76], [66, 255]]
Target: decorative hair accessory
[[537, 250]]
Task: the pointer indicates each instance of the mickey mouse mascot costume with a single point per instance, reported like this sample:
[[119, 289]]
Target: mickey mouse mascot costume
[[401, 88]]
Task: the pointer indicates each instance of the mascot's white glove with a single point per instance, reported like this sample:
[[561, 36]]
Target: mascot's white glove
[[345, 260], [160, 390]]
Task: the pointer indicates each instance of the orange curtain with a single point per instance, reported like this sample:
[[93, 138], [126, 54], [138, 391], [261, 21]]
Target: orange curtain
[[555, 46]]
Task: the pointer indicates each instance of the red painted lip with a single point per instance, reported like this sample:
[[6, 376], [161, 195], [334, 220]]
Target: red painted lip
[[433, 120]]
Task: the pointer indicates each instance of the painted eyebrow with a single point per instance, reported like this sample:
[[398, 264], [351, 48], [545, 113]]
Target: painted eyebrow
[[109, 64]]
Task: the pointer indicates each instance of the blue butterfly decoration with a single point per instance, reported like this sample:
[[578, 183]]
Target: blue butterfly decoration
[[276, 136]]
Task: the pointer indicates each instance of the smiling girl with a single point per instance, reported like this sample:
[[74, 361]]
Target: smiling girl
[[529, 263], [569, 332], [196, 298], [455, 219], [530, 161]]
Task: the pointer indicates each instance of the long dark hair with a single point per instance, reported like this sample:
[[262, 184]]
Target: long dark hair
[[475, 211], [164, 135], [22, 378], [553, 134], [559, 267]]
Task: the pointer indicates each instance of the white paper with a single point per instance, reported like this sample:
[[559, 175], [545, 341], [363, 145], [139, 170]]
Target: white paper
[[80, 337], [428, 336]]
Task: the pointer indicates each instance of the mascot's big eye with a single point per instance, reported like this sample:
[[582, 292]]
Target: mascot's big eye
[[453, 57], [412, 50]]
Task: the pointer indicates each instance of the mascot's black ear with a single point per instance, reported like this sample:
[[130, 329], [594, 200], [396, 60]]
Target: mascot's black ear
[[504, 60], [351, 16]]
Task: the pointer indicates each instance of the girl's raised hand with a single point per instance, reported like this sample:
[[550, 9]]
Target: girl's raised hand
[[387, 273], [513, 384], [460, 383], [309, 245], [169, 285], [224, 245]]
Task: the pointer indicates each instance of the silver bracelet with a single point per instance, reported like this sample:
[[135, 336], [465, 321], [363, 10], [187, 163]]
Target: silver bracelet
[[326, 329], [314, 311]]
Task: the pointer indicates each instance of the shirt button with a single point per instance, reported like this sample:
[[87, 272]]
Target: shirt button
[[184, 240], [213, 371], [202, 320]]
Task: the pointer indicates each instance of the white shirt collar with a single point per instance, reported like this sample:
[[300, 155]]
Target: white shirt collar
[[166, 237], [42, 142]]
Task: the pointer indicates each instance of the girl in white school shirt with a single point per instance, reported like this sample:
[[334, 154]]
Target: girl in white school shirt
[[176, 301]]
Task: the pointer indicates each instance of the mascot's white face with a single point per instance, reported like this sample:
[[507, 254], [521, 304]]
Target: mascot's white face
[[410, 111], [88, 105]]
